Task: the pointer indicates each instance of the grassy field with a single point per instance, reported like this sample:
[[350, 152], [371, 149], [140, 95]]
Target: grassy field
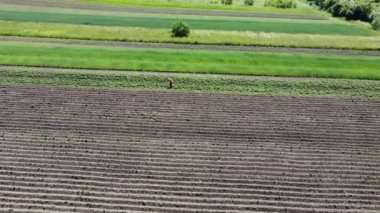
[[70, 31], [194, 83], [219, 62], [209, 23], [205, 4]]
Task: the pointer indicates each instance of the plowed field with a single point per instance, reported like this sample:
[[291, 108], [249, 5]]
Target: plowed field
[[119, 151]]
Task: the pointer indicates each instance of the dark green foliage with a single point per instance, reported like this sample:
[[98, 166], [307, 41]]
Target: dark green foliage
[[249, 2], [376, 23], [227, 2], [281, 3], [349, 9], [180, 30]]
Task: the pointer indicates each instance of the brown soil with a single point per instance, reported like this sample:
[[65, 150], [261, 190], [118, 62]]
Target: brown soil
[[121, 151], [138, 9]]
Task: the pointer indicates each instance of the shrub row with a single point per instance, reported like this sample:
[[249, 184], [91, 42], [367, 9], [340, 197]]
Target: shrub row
[[229, 2], [281, 3], [363, 10]]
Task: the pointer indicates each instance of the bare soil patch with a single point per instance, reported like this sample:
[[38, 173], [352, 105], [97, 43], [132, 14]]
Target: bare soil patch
[[121, 151]]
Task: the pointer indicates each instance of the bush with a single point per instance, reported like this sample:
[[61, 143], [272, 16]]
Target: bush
[[351, 10], [281, 3], [180, 29], [226, 2], [376, 22], [249, 2]]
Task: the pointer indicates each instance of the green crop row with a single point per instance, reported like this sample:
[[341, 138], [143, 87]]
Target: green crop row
[[190, 61]]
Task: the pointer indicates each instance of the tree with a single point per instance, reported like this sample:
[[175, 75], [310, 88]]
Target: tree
[[227, 2], [180, 30], [249, 2]]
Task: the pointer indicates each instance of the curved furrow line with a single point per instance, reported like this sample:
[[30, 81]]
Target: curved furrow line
[[175, 114], [277, 128], [173, 133], [299, 184], [160, 202], [112, 159], [204, 203], [23, 186], [197, 190], [125, 166], [125, 180], [178, 115], [186, 149], [287, 156], [168, 122], [244, 139], [172, 114], [93, 140], [194, 168], [266, 182]]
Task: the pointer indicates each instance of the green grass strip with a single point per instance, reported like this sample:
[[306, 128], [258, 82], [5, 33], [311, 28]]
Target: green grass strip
[[253, 25], [70, 31], [338, 88], [190, 61], [194, 4]]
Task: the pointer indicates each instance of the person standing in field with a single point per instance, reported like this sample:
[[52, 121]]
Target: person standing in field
[[171, 83]]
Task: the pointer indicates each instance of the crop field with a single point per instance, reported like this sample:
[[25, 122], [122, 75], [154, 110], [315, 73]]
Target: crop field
[[193, 61], [189, 82], [210, 23], [133, 34], [89, 151], [302, 6], [57, 19], [106, 106]]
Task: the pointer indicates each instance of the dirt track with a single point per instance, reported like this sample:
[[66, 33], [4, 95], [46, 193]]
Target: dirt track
[[122, 151], [121, 44], [136, 9]]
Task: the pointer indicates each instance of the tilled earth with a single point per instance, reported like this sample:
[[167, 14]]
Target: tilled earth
[[122, 151]]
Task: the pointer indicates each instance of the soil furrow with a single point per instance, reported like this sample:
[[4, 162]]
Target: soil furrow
[[123, 151]]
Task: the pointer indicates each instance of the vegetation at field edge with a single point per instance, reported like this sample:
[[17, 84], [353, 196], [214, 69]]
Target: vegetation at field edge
[[195, 5]]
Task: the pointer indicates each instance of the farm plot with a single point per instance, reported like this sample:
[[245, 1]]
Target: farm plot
[[164, 21], [191, 9], [189, 61], [95, 151]]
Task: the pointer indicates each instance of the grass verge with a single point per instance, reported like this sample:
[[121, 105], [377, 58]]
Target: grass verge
[[200, 5], [70, 31], [338, 88], [190, 61], [200, 23]]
